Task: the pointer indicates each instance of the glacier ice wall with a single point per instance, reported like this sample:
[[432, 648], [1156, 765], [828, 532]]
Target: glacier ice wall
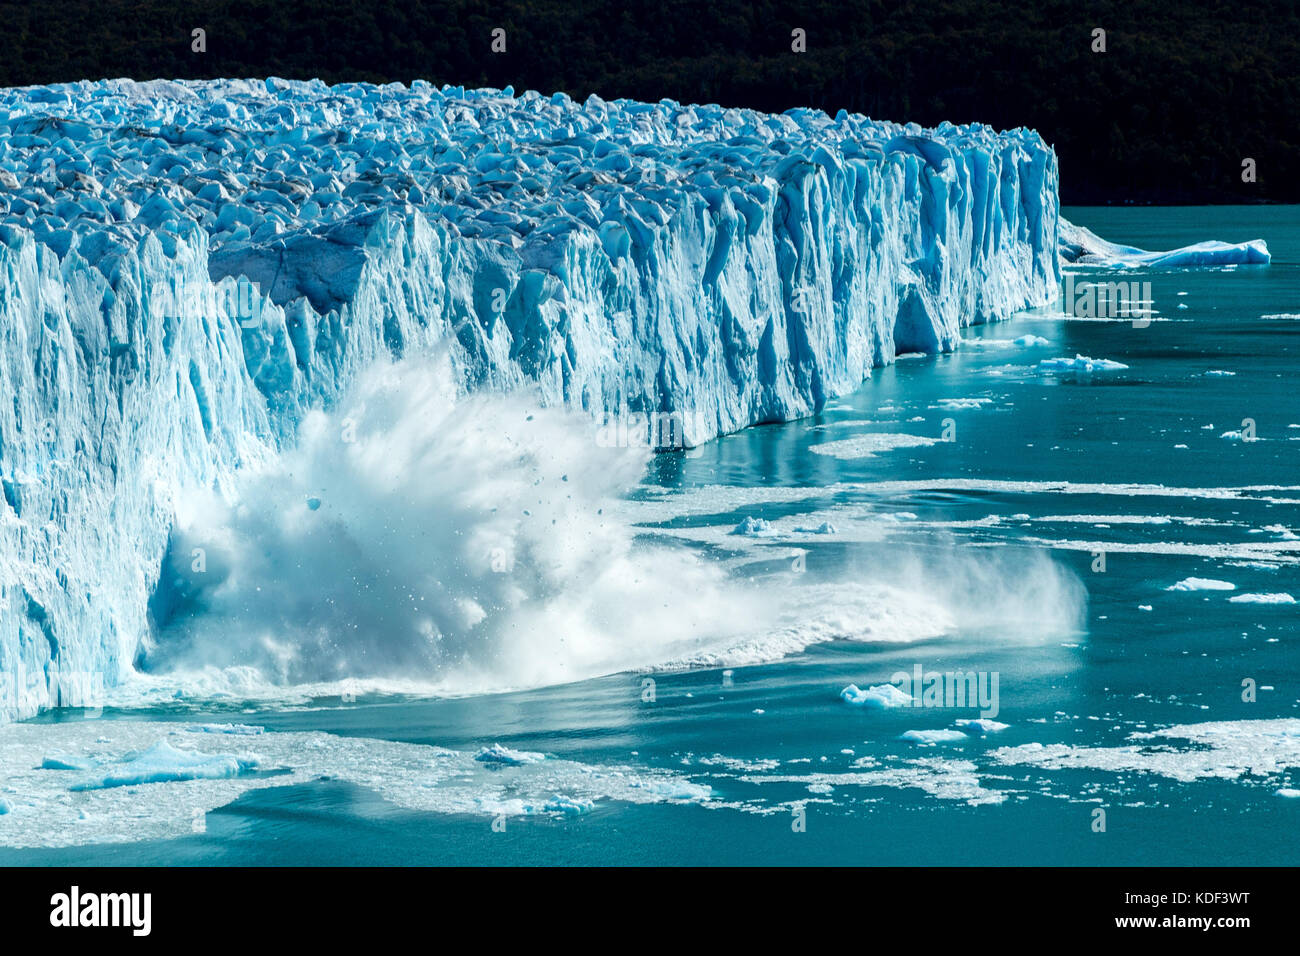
[[186, 269]]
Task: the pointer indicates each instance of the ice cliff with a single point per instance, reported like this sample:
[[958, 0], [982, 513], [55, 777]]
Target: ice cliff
[[188, 268]]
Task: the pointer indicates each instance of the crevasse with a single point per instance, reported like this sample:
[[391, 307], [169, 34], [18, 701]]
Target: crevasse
[[187, 268]]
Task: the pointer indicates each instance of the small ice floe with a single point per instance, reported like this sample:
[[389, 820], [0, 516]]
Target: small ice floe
[[928, 738], [752, 527], [1288, 792], [1144, 607], [62, 761], [824, 528], [1080, 363], [568, 805], [1238, 436], [879, 697], [234, 730], [960, 404], [1202, 584], [672, 788], [1276, 598], [868, 446], [163, 763], [505, 757], [740, 764], [1024, 342], [980, 726], [1219, 373]]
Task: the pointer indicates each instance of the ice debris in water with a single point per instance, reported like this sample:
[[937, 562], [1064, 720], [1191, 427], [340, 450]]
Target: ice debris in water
[[1266, 598], [878, 696], [928, 738], [62, 761], [497, 754], [824, 528], [236, 730], [979, 726], [1080, 363], [1202, 584], [164, 763]]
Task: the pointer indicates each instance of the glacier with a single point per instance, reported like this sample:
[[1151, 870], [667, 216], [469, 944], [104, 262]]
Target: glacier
[[190, 269]]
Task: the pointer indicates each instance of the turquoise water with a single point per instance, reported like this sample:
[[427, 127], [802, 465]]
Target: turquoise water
[[980, 553]]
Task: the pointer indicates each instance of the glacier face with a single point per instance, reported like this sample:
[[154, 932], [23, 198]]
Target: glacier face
[[189, 268]]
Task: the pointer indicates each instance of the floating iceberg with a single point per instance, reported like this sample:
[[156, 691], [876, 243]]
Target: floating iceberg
[[1030, 341], [980, 726], [1202, 584], [1280, 597], [824, 528], [504, 756], [61, 761], [1080, 363], [163, 763], [752, 527], [879, 696], [1083, 247]]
